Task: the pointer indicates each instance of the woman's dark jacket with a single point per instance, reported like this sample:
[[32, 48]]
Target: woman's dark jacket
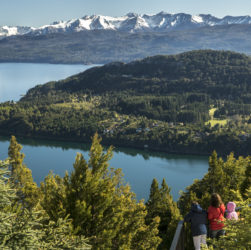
[[198, 218]]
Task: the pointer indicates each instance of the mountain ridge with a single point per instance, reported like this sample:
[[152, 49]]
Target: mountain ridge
[[131, 22], [81, 47]]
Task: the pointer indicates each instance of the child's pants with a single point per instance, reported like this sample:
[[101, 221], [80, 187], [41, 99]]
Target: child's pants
[[198, 240]]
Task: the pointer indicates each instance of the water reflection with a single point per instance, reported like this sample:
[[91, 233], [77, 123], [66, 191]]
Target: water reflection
[[146, 154], [139, 166]]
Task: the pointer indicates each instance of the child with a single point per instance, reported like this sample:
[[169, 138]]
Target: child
[[231, 214], [198, 218]]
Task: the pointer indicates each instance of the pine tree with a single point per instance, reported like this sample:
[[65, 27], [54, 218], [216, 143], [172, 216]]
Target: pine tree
[[161, 204], [216, 174], [223, 177], [31, 229], [171, 207], [100, 205], [16, 157], [6, 192], [154, 202], [21, 176], [53, 190], [246, 185]]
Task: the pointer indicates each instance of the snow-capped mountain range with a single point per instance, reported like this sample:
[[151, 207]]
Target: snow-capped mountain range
[[161, 22]]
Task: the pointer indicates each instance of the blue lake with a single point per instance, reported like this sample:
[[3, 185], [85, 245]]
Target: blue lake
[[139, 166], [17, 78]]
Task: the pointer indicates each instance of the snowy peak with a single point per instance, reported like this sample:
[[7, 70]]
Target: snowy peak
[[13, 31], [236, 20], [132, 22]]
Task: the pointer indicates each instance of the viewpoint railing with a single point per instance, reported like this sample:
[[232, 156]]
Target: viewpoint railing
[[179, 237], [178, 242]]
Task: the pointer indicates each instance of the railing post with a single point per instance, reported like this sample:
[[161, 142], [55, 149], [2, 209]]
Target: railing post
[[178, 239]]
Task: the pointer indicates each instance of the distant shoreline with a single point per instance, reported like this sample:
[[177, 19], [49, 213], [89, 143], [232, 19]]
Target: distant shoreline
[[107, 143], [54, 63]]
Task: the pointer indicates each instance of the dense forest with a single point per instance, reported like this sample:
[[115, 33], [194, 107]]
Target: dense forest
[[104, 46], [192, 102], [92, 208]]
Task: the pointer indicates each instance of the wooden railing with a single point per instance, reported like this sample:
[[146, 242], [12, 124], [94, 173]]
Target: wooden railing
[[179, 237]]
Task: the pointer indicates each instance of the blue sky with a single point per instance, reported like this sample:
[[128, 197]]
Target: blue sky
[[39, 12]]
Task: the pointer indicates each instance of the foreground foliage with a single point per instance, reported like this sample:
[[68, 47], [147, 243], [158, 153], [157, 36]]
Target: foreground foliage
[[21, 228], [227, 178], [161, 204], [100, 205], [231, 179], [93, 201]]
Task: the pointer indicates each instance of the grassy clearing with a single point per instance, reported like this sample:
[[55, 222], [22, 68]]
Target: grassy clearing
[[214, 122], [211, 112], [79, 105], [184, 132]]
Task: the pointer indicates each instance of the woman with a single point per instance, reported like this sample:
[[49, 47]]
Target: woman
[[216, 216]]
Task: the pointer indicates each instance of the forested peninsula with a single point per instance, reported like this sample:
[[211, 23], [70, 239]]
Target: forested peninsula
[[193, 103]]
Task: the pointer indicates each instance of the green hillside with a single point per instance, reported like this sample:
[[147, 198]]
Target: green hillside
[[160, 102], [196, 71]]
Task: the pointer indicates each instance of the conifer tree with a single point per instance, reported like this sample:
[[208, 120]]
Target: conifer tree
[[29, 229], [53, 201], [223, 177], [246, 185], [21, 176], [6, 192], [16, 157], [216, 174], [154, 202], [161, 204], [100, 205], [234, 169], [173, 213]]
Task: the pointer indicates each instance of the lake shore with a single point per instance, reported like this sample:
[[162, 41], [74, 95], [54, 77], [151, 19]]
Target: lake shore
[[107, 143]]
